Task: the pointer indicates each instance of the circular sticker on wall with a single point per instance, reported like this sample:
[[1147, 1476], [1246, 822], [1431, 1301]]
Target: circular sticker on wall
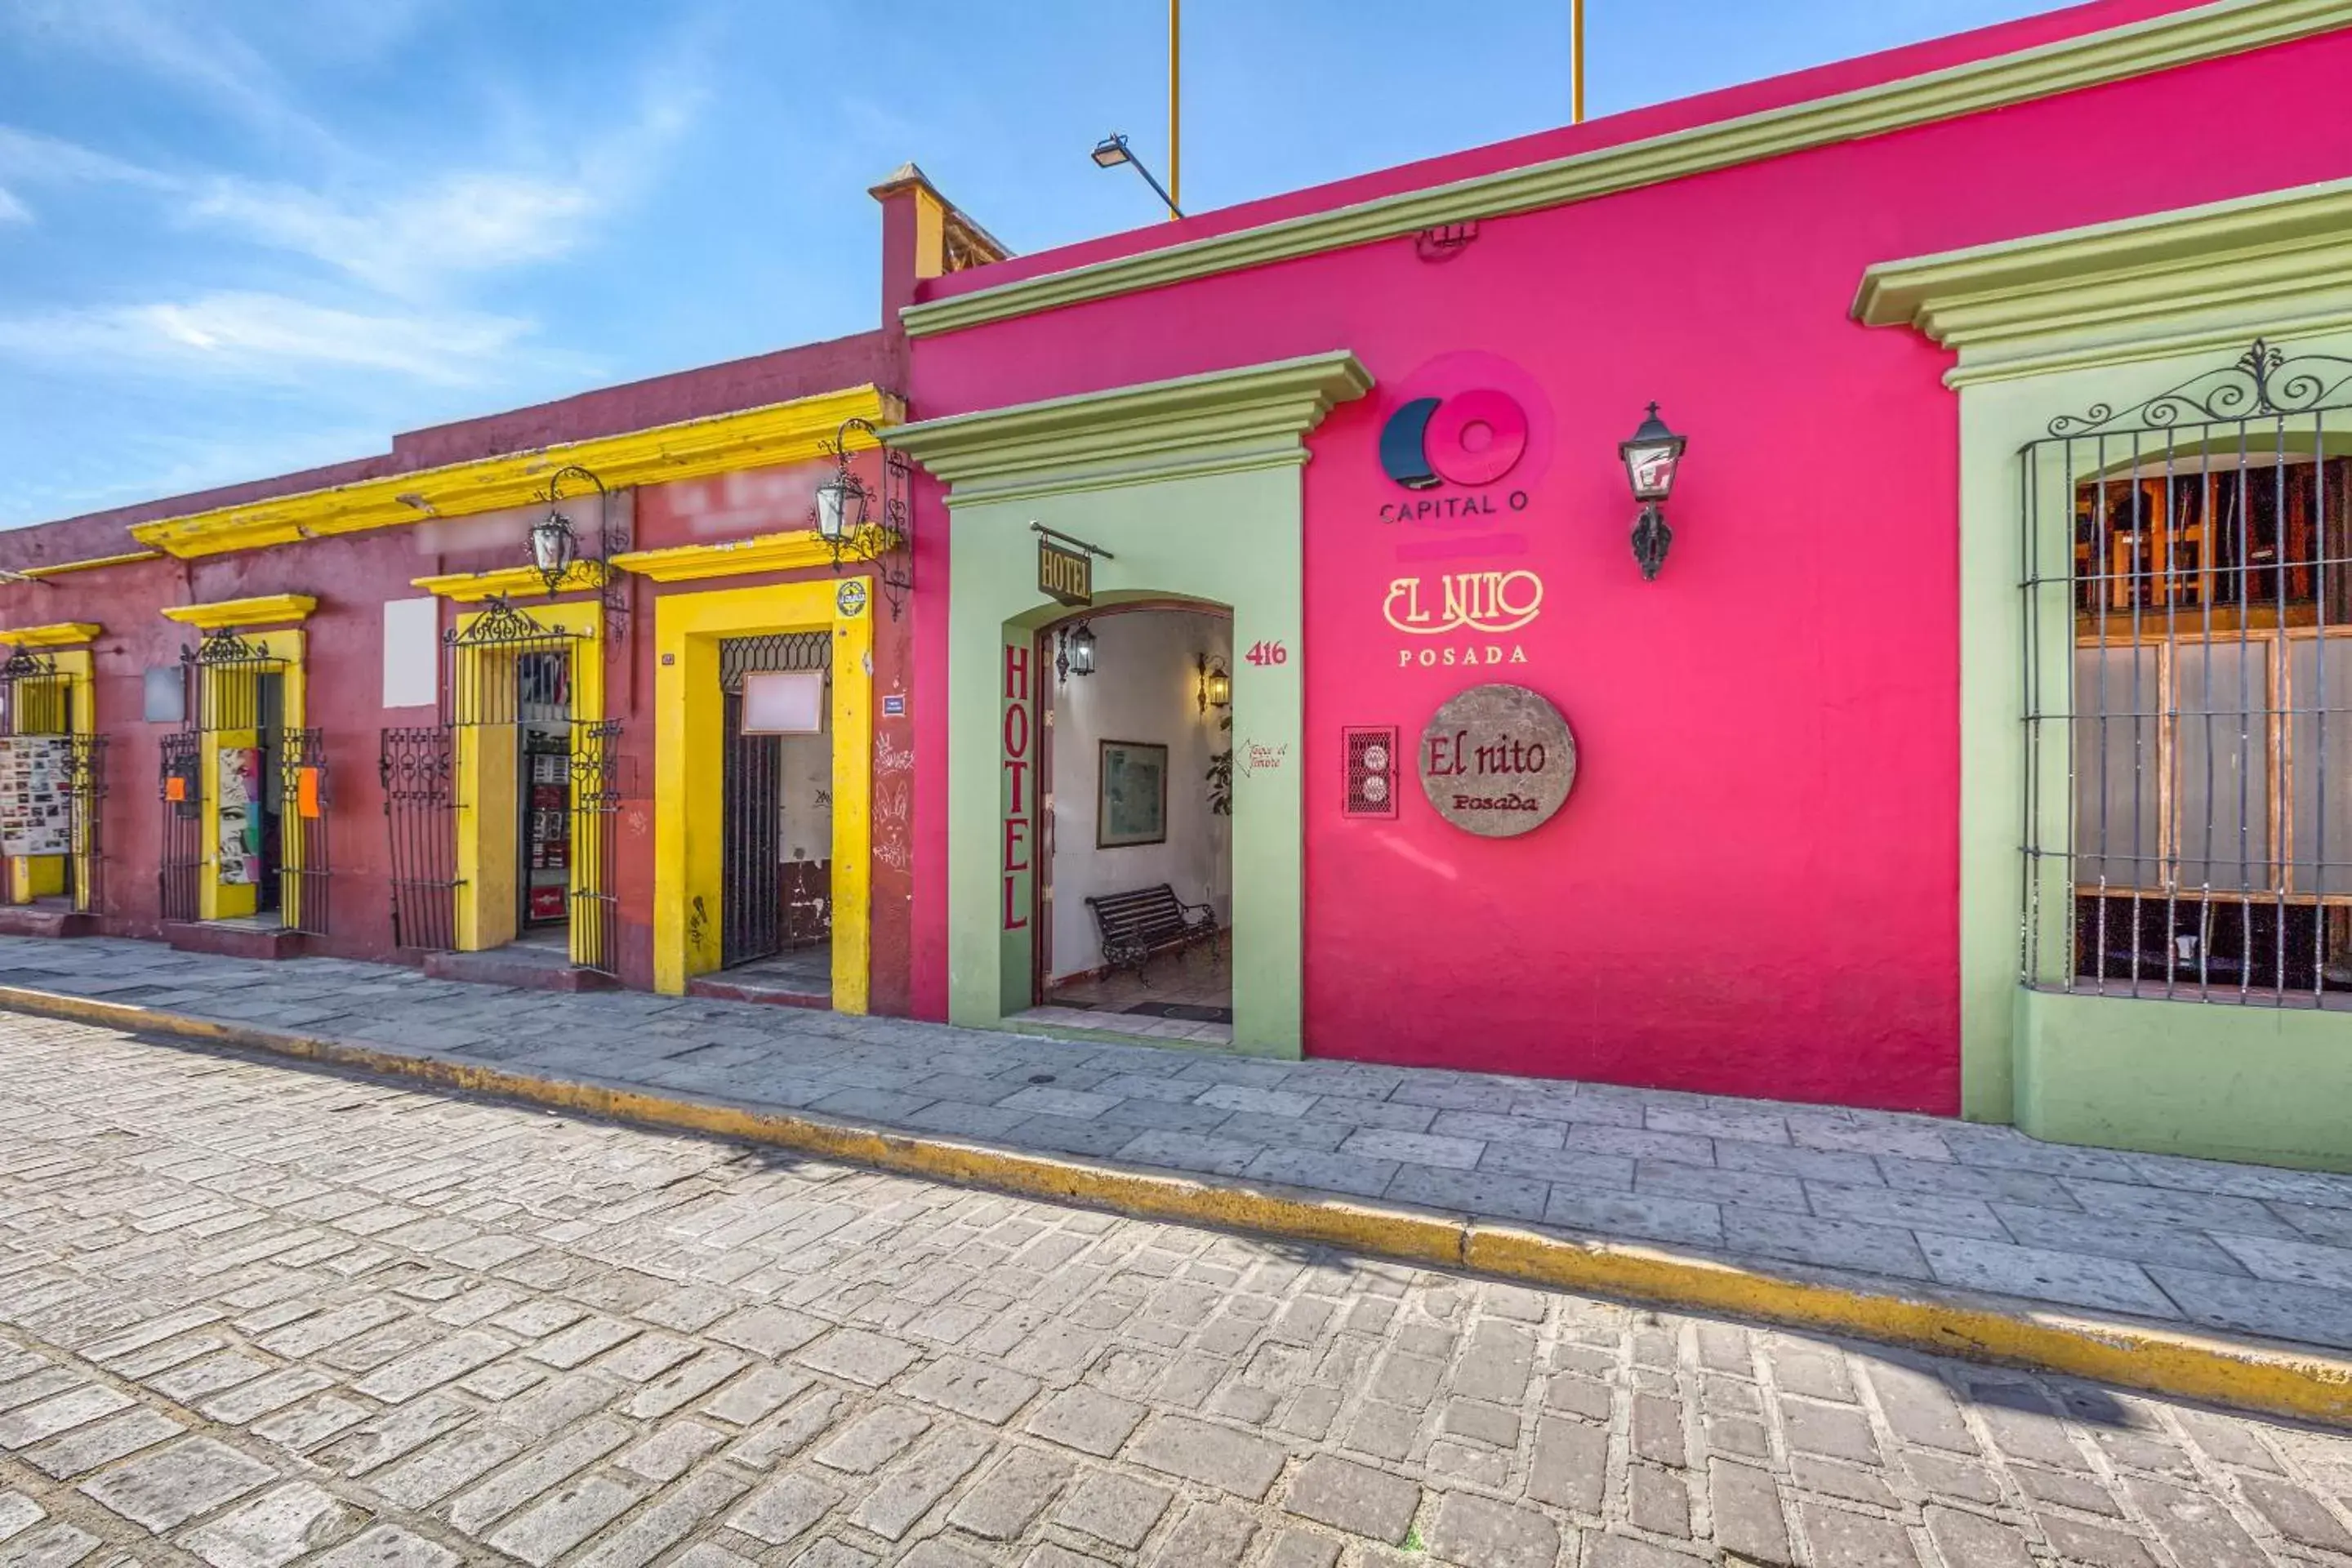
[[850, 598], [1497, 760]]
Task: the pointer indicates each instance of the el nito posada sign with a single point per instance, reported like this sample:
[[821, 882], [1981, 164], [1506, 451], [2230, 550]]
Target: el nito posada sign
[[1497, 760]]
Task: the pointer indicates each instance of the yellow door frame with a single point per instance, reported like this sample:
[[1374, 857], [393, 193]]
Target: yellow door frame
[[233, 690], [690, 764], [487, 790], [67, 687]]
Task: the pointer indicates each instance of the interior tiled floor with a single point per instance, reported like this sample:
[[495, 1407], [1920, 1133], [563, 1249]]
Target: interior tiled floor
[[1195, 978]]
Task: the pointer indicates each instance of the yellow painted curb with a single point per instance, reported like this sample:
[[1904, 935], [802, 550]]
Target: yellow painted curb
[[2264, 1378]]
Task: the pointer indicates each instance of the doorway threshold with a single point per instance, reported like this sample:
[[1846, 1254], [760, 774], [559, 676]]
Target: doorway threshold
[[1141, 1026], [526, 965], [47, 917], [240, 936], [801, 978]]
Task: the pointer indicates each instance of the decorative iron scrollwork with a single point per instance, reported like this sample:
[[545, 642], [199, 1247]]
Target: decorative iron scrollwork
[[24, 664], [500, 622], [886, 542], [223, 646], [2266, 382]]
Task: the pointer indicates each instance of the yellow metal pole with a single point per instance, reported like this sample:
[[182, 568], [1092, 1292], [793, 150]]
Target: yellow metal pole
[[1575, 61], [1175, 124]]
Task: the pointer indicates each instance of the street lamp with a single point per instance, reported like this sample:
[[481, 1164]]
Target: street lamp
[[1652, 454], [1113, 149]]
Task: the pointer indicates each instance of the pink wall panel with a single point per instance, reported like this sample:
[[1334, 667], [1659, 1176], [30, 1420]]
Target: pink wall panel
[[1754, 888]]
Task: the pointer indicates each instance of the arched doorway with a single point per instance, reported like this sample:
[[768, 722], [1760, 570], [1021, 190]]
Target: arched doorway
[[1133, 897]]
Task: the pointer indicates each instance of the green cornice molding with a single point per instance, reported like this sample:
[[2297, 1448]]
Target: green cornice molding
[[1219, 422], [2199, 276], [2138, 48]]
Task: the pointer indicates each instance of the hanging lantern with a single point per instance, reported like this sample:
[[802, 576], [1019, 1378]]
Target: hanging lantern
[[555, 547]]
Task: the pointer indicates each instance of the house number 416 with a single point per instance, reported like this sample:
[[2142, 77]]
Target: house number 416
[[1267, 653]]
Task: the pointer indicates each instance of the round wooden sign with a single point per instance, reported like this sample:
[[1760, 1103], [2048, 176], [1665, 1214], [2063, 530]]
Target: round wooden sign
[[1497, 760]]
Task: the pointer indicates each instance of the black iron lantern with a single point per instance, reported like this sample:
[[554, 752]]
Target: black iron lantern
[[555, 547], [1652, 454], [1073, 651], [554, 542], [843, 514], [841, 508]]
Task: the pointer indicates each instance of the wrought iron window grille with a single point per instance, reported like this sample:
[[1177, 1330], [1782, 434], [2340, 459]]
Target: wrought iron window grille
[[847, 519], [2187, 618]]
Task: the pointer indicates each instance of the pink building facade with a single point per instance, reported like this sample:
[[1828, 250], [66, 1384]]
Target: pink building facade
[[1789, 861]]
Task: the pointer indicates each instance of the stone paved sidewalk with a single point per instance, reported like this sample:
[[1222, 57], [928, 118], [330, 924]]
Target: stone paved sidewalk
[[257, 1317], [1885, 1200]]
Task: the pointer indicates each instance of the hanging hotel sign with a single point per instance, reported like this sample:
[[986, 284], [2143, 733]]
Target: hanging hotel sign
[[1066, 566], [1064, 576], [1497, 760]]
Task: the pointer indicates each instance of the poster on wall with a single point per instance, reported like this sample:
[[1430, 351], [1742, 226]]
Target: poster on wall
[[240, 816], [1131, 803], [36, 775]]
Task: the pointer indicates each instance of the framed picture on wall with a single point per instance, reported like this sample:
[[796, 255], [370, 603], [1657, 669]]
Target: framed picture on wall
[[1131, 794]]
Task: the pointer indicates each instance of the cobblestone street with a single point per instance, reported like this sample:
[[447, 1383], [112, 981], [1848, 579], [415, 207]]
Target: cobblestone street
[[251, 1315]]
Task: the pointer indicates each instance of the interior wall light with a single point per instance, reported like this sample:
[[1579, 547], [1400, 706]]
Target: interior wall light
[[1216, 683]]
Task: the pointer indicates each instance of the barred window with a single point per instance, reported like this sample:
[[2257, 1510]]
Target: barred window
[[2188, 690]]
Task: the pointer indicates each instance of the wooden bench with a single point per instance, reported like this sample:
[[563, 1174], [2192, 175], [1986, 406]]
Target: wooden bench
[[1137, 926]]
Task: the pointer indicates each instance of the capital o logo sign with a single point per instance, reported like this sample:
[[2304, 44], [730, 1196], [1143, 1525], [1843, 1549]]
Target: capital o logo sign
[[1473, 437]]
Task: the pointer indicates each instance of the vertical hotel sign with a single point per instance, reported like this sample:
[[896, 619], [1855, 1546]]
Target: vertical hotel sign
[[1020, 742]]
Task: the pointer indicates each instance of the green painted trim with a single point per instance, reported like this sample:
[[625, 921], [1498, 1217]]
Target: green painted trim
[[2235, 1082], [2050, 325], [2147, 285], [2139, 48], [1193, 485], [1219, 422], [2268, 1084]]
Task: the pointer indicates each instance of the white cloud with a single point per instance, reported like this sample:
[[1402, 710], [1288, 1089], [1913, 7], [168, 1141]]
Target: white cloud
[[180, 44], [270, 337], [11, 210], [412, 242], [29, 156], [407, 244]]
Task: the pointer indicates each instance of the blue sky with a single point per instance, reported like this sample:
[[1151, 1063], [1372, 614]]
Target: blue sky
[[240, 236]]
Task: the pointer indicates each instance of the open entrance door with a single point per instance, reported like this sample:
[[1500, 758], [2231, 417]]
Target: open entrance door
[[1135, 858], [776, 871]]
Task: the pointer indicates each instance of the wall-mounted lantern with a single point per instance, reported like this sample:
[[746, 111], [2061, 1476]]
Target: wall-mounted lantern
[[1074, 652], [843, 516], [554, 542], [1652, 454], [1216, 683]]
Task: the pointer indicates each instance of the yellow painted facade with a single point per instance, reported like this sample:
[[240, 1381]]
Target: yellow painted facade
[[488, 786], [780, 433], [62, 702], [231, 691], [788, 552], [689, 766], [510, 582]]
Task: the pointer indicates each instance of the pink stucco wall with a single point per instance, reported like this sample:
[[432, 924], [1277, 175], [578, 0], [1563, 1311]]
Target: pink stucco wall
[[1754, 888]]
